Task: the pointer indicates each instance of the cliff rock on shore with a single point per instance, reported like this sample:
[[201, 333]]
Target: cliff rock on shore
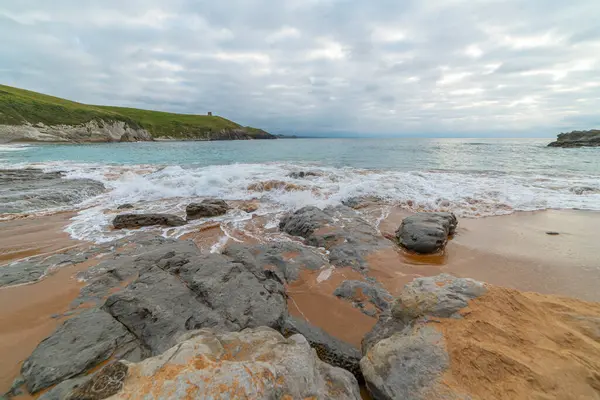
[[589, 138]]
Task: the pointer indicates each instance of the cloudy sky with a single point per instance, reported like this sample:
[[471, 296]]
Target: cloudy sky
[[379, 67]]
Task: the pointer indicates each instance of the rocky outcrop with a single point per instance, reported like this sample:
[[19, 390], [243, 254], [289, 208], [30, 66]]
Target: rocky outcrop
[[24, 190], [578, 139], [76, 346], [134, 221], [303, 174], [340, 230], [251, 364], [240, 133], [404, 359], [426, 233], [92, 131], [206, 208]]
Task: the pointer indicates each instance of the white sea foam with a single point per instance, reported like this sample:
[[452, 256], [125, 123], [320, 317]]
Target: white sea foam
[[6, 148], [171, 188]]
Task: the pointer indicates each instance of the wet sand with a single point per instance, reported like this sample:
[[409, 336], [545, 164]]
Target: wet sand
[[26, 237], [514, 251]]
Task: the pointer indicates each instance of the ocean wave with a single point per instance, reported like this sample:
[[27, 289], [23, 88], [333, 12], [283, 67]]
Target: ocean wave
[[6, 148], [171, 188]]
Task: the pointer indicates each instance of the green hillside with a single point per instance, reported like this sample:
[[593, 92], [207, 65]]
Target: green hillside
[[18, 106]]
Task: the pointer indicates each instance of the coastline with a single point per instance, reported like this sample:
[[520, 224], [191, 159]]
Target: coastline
[[501, 250]]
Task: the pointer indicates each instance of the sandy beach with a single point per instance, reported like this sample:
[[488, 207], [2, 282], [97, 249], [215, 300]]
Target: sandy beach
[[512, 251]]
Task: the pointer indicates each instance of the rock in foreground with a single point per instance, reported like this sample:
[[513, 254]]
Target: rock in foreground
[[252, 364], [206, 208], [578, 139], [134, 221], [454, 338], [426, 233]]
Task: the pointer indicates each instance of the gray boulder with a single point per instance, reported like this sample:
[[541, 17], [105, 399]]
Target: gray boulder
[[77, 345], [426, 233], [341, 230], [329, 349], [134, 221], [404, 355], [303, 174], [206, 208], [252, 364], [361, 293]]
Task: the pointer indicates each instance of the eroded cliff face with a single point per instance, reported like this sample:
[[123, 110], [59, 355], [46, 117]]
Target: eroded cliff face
[[96, 131]]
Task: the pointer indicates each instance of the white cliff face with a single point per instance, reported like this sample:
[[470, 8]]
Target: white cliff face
[[93, 131]]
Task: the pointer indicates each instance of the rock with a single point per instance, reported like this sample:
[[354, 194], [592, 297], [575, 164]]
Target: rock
[[551, 233], [589, 138], [362, 293], [406, 367], [329, 349], [157, 308], [285, 259], [426, 233], [62, 390], [205, 209], [252, 364], [267, 186], [26, 190], [134, 221], [249, 206], [361, 201], [107, 382], [77, 345], [302, 174], [185, 292], [126, 206], [403, 359], [340, 230]]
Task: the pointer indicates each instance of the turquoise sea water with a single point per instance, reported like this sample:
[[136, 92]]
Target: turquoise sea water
[[471, 177], [499, 155]]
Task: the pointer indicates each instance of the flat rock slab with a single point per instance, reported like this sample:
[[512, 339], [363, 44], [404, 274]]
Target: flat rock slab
[[252, 364], [426, 233], [134, 221], [206, 208], [77, 345]]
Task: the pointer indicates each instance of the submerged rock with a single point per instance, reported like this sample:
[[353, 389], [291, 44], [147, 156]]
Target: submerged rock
[[267, 186], [205, 209], [134, 221], [340, 230], [252, 364], [589, 138], [426, 233], [77, 345], [303, 174], [32, 189], [368, 297], [126, 206]]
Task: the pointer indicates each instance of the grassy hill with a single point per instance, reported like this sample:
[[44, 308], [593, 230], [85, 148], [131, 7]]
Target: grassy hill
[[19, 106]]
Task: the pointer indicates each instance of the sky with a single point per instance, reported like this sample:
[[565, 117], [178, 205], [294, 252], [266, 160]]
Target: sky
[[320, 67]]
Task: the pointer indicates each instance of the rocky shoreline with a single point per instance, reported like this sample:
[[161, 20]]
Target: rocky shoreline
[[159, 317], [589, 138]]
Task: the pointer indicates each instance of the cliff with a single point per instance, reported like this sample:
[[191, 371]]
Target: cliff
[[27, 116], [589, 138]]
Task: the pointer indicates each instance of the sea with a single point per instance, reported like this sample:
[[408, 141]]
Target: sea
[[471, 177]]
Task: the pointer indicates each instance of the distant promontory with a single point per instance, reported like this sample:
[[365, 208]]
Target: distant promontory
[[27, 116], [589, 138]]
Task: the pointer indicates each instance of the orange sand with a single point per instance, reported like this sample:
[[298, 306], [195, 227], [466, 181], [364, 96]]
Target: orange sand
[[26, 237], [513, 345]]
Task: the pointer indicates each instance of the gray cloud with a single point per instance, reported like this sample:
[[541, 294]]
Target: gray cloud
[[320, 66]]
